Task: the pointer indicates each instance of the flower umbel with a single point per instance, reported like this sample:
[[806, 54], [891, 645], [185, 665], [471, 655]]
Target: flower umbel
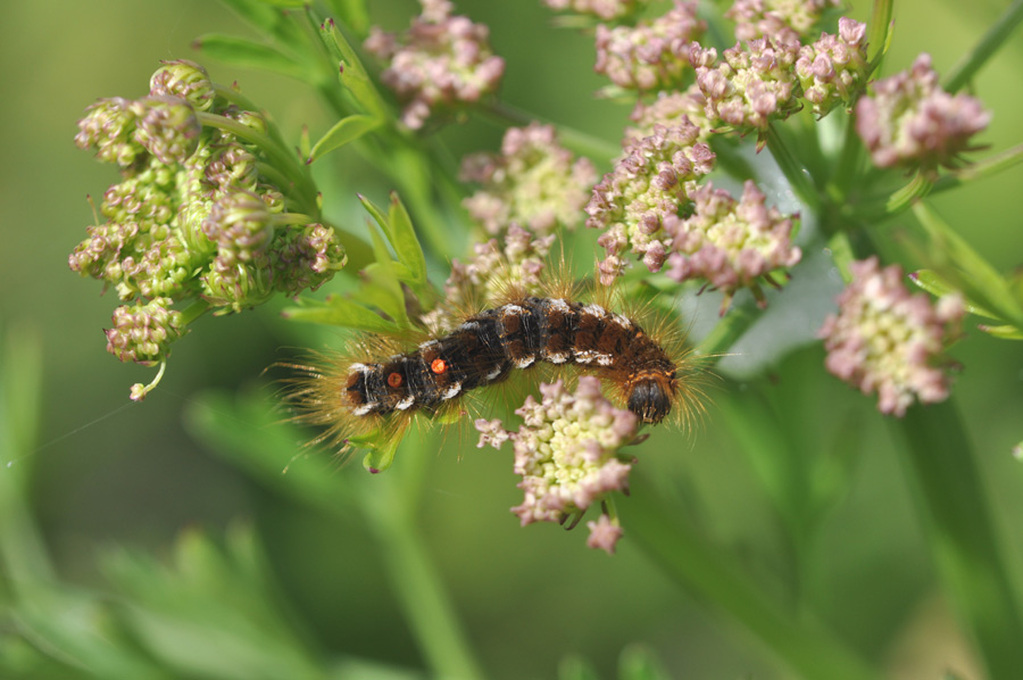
[[141, 333], [534, 183], [730, 244], [650, 183], [833, 70], [567, 452], [193, 220], [442, 62], [783, 20], [886, 340], [911, 122], [752, 84], [607, 10], [653, 55]]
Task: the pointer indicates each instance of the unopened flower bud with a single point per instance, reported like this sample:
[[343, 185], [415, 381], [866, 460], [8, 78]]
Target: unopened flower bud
[[185, 79], [167, 127], [143, 333]]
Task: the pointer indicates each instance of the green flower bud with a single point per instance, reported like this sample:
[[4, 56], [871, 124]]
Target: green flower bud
[[185, 79]]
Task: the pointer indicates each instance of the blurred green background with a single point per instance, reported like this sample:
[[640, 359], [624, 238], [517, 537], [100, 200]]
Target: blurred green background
[[107, 472]]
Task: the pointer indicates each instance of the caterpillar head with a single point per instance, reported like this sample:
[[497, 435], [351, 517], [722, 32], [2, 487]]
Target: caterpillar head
[[650, 396]]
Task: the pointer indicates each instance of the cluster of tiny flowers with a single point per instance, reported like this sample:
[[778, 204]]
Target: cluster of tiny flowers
[[732, 244], [833, 70], [649, 183], [652, 55], [783, 20], [192, 217], [567, 454], [606, 10], [142, 333], [534, 183], [670, 109], [515, 263], [441, 62], [888, 341], [910, 121], [752, 84]]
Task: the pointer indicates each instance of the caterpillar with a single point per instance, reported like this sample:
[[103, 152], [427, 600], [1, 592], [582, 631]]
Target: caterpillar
[[381, 391]]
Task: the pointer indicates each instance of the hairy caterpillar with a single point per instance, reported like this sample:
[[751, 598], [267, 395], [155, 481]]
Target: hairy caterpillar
[[382, 384]]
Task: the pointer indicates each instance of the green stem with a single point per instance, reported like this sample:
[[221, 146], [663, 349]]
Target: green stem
[[727, 332], [917, 188], [985, 168], [689, 559], [880, 32], [944, 474], [417, 583], [848, 164], [796, 174], [597, 149], [279, 156], [194, 311], [963, 72]]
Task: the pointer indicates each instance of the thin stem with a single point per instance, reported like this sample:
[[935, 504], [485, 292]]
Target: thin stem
[[880, 31], [503, 115], [917, 188], [279, 156], [985, 168], [797, 175], [690, 560], [963, 72], [954, 504], [727, 332], [848, 164], [421, 593]]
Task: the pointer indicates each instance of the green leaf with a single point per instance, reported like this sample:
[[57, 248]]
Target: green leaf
[[880, 34], [1003, 332], [343, 312], [248, 433], [267, 19], [932, 282], [968, 548], [575, 667], [380, 448], [345, 131], [957, 260], [382, 289], [639, 662], [404, 240], [249, 54], [401, 236], [353, 13], [352, 74]]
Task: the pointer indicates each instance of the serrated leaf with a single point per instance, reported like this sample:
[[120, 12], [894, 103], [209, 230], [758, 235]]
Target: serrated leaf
[[249, 54], [936, 285], [352, 74], [380, 448], [345, 131], [404, 240], [353, 12], [979, 280], [1003, 332], [267, 19], [374, 210], [383, 290], [339, 311]]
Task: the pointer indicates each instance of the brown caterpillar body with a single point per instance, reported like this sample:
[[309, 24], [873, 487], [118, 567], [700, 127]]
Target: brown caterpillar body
[[368, 396], [487, 346]]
